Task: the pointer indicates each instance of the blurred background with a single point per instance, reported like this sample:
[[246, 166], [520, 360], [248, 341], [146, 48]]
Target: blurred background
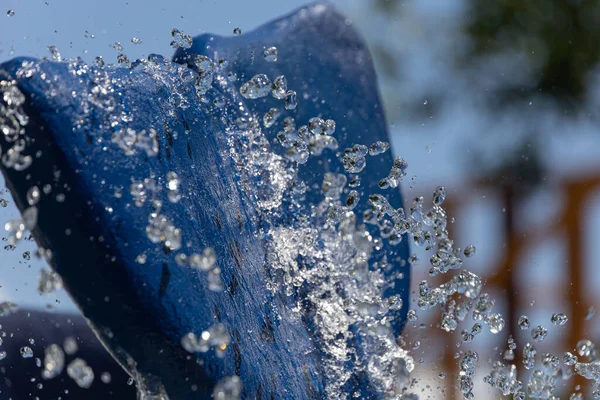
[[497, 100]]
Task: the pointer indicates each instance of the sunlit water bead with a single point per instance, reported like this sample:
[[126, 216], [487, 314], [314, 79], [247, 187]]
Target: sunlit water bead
[[26, 352], [541, 385], [504, 378], [54, 53], [529, 353], [271, 54], [257, 87], [228, 388], [81, 373], [206, 69], [467, 366], [70, 345], [354, 160], [205, 261], [10, 13], [270, 117], [180, 39], [173, 183], [539, 333], [559, 319], [470, 251], [397, 173], [216, 337], [33, 195], [523, 322], [136, 40], [291, 100], [495, 323], [54, 361], [586, 348], [279, 89], [49, 282], [378, 148], [237, 31], [569, 358], [439, 195]]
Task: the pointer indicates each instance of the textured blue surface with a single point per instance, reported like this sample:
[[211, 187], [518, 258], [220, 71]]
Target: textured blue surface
[[141, 311]]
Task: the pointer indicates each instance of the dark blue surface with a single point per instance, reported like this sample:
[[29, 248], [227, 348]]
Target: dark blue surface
[[141, 311]]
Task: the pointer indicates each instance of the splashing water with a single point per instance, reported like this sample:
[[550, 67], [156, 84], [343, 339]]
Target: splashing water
[[329, 248]]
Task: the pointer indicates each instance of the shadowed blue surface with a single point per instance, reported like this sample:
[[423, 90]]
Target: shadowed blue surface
[[142, 311]]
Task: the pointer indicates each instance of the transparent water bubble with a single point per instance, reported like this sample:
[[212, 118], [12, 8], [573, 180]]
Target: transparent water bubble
[[228, 388], [590, 313], [180, 39], [523, 322], [33, 195], [470, 251], [378, 148], [257, 87], [215, 282], [26, 352], [271, 54], [291, 102], [49, 282], [439, 195], [539, 333], [123, 60], [54, 54], [205, 261], [270, 117], [237, 31], [81, 373], [54, 361], [279, 88], [586, 348], [529, 353], [136, 40], [10, 13], [70, 345], [569, 358], [496, 323], [559, 319], [206, 72], [106, 377]]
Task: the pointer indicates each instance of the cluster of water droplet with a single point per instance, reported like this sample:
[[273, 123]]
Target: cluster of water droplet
[[336, 244]]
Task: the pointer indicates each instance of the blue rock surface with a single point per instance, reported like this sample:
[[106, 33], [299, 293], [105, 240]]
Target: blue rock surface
[[140, 311]]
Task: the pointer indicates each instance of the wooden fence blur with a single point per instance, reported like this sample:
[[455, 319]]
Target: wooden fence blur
[[502, 277]]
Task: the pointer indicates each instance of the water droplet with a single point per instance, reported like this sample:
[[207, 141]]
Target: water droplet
[[559, 318], [180, 39], [270, 117], [105, 377], [26, 352], [237, 31], [228, 388], [279, 88], [257, 87], [33, 195], [271, 54], [54, 54], [70, 345], [539, 333], [81, 373], [378, 148], [54, 361], [470, 251], [10, 13], [136, 40], [523, 322], [291, 101]]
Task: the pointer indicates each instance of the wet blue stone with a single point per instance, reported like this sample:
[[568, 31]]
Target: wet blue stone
[[141, 311]]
